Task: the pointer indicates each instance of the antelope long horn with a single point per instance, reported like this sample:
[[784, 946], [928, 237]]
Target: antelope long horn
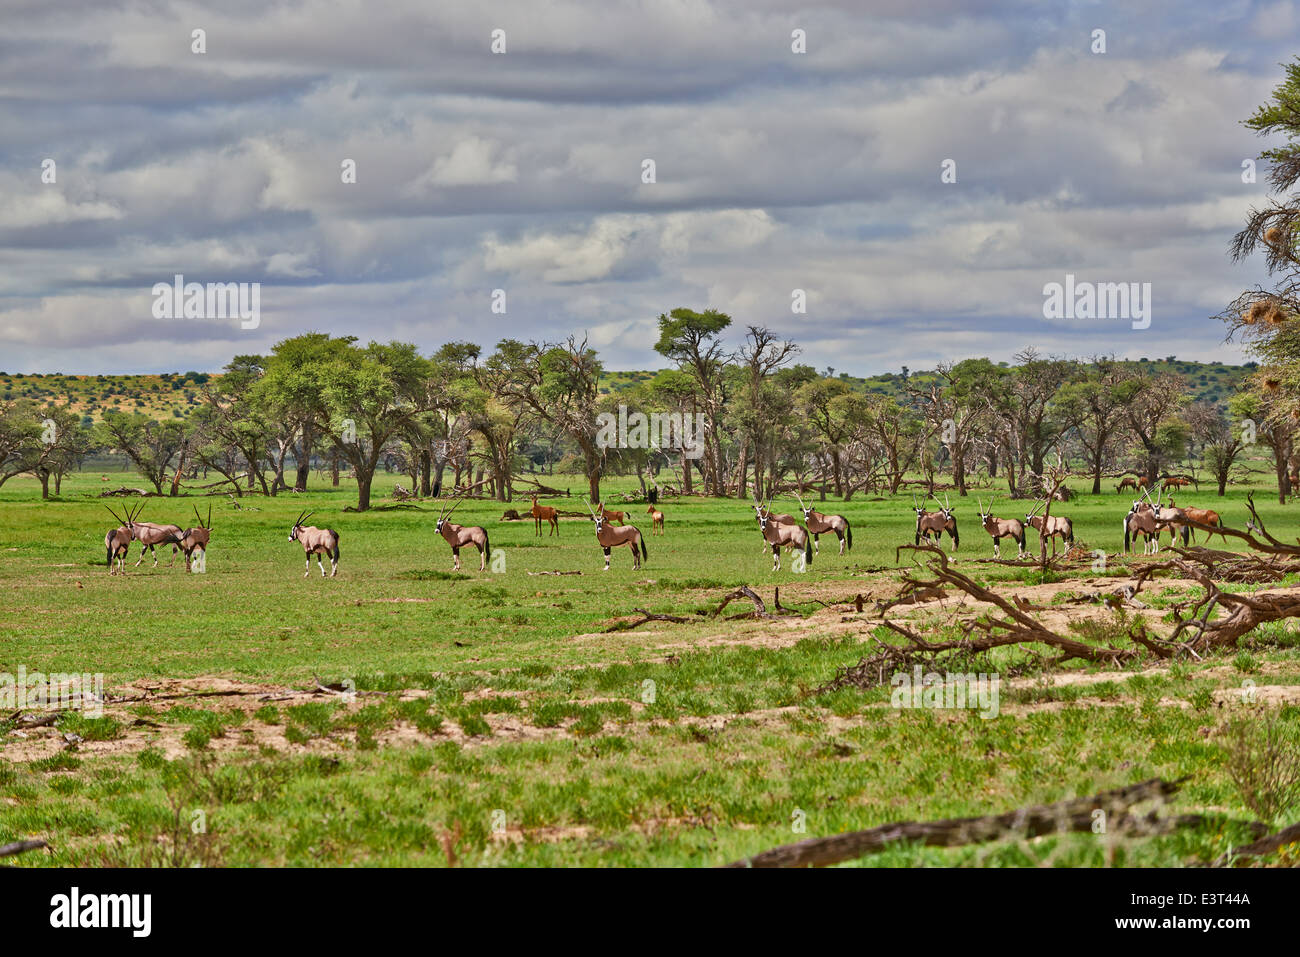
[[209, 525], [115, 515]]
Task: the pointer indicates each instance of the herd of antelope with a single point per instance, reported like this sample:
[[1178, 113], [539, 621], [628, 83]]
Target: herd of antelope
[[779, 531]]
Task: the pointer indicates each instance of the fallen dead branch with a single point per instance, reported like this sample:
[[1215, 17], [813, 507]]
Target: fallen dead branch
[[1014, 627], [21, 847], [1261, 847], [1074, 814]]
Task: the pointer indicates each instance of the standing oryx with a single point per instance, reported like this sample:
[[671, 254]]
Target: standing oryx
[[1001, 528], [458, 536], [150, 535], [818, 523], [611, 536], [779, 536], [318, 542], [1141, 520], [196, 539], [934, 524], [778, 518], [1050, 527], [118, 540]]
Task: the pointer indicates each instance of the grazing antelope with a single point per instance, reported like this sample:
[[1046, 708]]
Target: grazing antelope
[[779, 535], [817, 523], [934, 524], [150, 535], [1001, 528], [656, 520], [1050, 527], [118, 540], [1206, 516], [611, 536], [195, 539], [544, 513], [318, 542], [1127, 482], [609, 516], [1173, 482], [1174, 519], [458, 536]]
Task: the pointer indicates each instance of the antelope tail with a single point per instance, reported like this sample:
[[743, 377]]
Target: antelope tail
[[1069, 532], [956, 542], [807, 549], [335, 553], [641, 539], [487, 547], [110, 556], [848, 534], [1126, 533]]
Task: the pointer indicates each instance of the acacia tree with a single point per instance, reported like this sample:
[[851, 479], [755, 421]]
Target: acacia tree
[[1151, 414], [371, 394], [1221, 443], [691, 339], [232, 418], [559, 384], [149, 444], [760, 357], [1096, 403]]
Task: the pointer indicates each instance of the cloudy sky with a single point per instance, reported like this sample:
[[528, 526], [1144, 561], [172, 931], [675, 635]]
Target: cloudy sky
[[523, 171]]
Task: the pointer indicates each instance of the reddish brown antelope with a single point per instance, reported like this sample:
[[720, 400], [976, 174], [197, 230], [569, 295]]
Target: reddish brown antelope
[[544, 513], [1206, 516], [318, 542], [458, 536], [611, 517], [196, 539], [779, 535], [656, 520], [820, 524], [1127, 482], [611, 536], [1001, 528], [118, 540], [1173, 519], [934, 524], [1050, 527], [150, 535]]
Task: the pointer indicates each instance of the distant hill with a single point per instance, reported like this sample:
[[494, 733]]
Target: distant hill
[[175, 394]]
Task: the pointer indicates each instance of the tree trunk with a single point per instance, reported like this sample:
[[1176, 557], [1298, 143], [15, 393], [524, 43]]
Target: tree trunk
[[45, 484], [304, 459]]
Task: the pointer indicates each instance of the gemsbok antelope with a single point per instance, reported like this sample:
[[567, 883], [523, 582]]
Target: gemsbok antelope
[[1141, 520], [150, 535], [779, 518], [318, 542], [118, 540], [819, 524], [196, 539], [779, 535], [1050, 527], [544, 513], [458, 536], [611, 536], [934, 524], [656, 520], [1001, 528]]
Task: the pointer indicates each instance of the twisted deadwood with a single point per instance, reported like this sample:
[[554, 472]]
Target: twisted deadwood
[[1016, 626], [1073, 814]]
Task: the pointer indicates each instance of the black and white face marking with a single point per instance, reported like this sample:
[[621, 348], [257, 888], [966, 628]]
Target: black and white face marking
[[293, 533], [600, 521], [438, 527]]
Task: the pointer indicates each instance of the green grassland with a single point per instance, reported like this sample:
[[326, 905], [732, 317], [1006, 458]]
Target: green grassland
[[501, 697]]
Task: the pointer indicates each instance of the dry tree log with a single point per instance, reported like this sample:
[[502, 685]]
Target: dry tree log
[[1265, 845], [21, 847], [1074, 814]]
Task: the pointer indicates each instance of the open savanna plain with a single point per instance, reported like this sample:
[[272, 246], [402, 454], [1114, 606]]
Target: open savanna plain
[[512, 717]]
